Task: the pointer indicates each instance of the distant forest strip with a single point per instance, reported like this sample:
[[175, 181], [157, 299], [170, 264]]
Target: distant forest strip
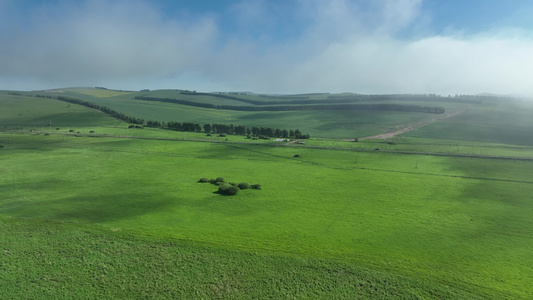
[[346, 98], [409, 97], [375, 107], [302, 99], [220, 129]]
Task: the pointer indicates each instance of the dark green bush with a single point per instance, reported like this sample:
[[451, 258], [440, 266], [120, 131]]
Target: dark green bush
[[232, 190], [243, 185], [255, 186], [220, 179], [203, 180], [222, 188], [227, 189]]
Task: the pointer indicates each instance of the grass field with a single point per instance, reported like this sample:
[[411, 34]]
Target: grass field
[[323, 123], [444, 220], [99, 216], [334, 123], [58, 260]]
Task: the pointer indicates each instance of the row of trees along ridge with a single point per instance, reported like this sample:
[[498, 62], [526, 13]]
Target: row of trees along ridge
[[190, 126]]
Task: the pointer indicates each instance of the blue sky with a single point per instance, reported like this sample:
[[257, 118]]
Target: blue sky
[[270, 46]]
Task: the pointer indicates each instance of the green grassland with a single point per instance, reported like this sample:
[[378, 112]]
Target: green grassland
[[318, 123], [95, 215], [72, 261], [444, 220]]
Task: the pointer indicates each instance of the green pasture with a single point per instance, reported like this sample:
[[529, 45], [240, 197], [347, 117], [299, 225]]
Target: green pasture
[[332, 124], [101, 210], [46, 115], [406, 145], [324, 123], [464, 223], [61, 260]]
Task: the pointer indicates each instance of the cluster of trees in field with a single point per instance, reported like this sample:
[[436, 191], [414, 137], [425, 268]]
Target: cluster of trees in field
[[329, 106], [229, 188], [263, 132]]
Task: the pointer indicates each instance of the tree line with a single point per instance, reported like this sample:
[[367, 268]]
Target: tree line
[[344, 98], [375, 107], [331, 99], [231, 129], [260, 132], [405, 97]]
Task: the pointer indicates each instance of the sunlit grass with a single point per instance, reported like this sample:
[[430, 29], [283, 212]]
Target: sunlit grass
[[426, 217], [430, 217]]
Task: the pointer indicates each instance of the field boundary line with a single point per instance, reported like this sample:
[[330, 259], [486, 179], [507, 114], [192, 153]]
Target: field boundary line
[[517, 158], [445, 175]]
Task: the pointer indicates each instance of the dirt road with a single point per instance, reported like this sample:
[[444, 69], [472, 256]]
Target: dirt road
[[414, 126]]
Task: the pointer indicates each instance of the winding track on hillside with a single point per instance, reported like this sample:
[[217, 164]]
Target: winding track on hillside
[[413, 126]]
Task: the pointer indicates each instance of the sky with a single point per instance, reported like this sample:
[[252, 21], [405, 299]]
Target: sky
[[270, 46]]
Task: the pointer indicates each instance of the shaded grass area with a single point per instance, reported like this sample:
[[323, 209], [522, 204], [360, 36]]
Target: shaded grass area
[[431, 219], [58, 260]]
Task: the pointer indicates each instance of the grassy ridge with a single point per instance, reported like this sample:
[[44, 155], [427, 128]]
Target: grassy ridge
[[41, 113], [416, 216], [335, 124], [331, 123]]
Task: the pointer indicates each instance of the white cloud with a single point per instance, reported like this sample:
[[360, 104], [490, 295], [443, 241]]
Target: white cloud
[[342, 46], [103, 41], [341, 52]]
